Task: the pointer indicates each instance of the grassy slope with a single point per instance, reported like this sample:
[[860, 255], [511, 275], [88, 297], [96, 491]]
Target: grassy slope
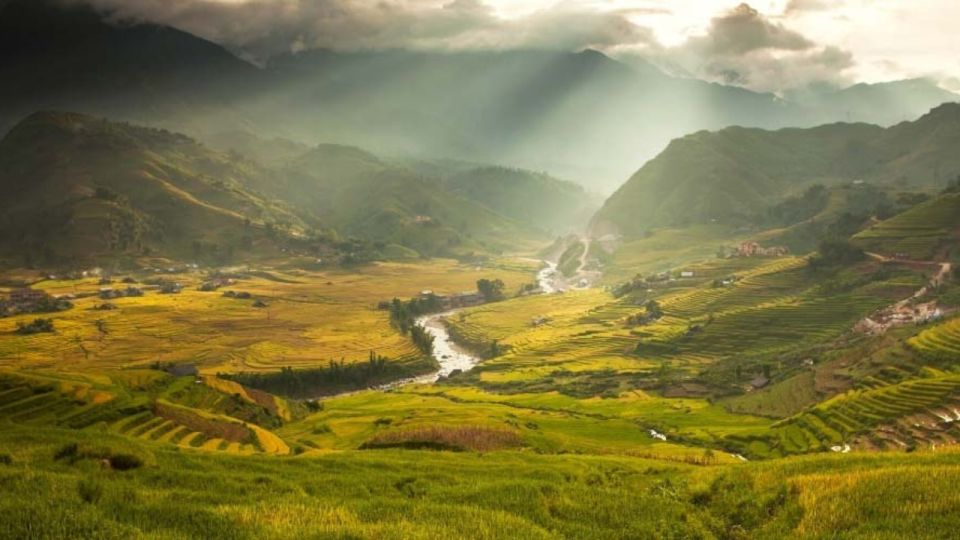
[[416, 494]]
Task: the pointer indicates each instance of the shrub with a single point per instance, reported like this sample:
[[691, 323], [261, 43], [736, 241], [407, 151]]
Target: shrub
[[458, 439], [67, 451], [90, 490], [73, 452], [36, 327], [125, 462], [6, 459]]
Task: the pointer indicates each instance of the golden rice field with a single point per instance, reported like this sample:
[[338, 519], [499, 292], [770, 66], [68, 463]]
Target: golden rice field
[[310, 319]]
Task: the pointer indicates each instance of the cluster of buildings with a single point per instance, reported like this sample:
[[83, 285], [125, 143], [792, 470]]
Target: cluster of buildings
[[753, 249], [215, 283], [900, 314], [109, 293], [453, 301], [29, 300]]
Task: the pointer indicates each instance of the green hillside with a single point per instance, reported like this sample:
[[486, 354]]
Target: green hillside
[[533, 198], [361, 195], [80, 188], [735, 174]]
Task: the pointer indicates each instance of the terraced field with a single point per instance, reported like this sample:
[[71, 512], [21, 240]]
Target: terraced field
[[771, 308], [917, 412], [666, 249], [941, 342], [918, 232], [49, 401]]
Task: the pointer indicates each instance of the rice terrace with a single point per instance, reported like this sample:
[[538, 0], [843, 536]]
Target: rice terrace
[[344, 269]]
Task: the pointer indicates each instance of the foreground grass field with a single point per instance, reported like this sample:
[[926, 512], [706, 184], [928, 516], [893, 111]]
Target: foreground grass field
[[421, 494]]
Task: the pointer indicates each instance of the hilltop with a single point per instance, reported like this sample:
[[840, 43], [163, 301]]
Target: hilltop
[[732, 175], [66, 56], [81, 188]]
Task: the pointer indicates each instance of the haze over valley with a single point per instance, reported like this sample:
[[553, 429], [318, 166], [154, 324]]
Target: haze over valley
[[479, 269]]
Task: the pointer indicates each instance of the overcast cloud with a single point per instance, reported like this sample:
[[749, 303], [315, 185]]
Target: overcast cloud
[[775, 45]]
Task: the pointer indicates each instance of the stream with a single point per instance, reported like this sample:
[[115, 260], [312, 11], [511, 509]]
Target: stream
[[453, 357]]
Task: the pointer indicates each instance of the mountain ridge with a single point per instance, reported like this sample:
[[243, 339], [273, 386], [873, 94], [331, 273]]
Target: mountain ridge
[[578, 115], [731, 174]]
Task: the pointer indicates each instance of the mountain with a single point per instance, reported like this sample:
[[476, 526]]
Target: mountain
[[317, 178], [578, 115], [360, 194], [733, 174], [60, 56], [270, 152], [535, 198], [881, 103], [81, 188], [78, 188]]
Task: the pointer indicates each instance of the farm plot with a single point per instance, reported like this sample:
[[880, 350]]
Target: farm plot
[[306, 320]]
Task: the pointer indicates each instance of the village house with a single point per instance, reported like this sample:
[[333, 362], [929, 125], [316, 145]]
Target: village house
[[170, 288], [540, 320], [25, 298], [215, 283], [900, 314], [453, 301], [753, 249], [183, 370], [28, 300], [107, 293]]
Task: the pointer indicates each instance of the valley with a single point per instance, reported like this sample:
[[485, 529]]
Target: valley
[[476, 286], [704, 351]]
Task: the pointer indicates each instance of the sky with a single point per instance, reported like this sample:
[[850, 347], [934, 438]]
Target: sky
[[766, 45]]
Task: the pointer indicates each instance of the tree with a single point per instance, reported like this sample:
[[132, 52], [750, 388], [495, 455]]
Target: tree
[[491, 290], [836, 252], [35, 327], [653, 309]]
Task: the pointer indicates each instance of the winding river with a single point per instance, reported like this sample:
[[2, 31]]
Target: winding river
[[453, 357]]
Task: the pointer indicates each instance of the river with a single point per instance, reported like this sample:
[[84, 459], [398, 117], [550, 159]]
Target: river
[[453, 357]]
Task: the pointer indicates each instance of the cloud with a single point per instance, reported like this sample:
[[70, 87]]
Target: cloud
[[743, 47], [267, 27], [740, 46], [743, 30], [801, 6]]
